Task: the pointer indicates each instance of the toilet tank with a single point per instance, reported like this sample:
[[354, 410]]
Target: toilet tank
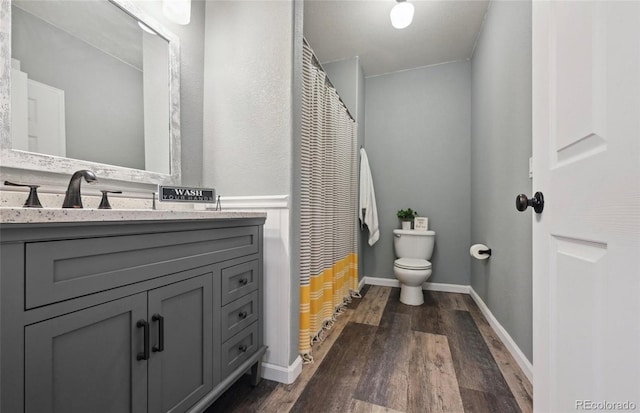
[[411, 243]]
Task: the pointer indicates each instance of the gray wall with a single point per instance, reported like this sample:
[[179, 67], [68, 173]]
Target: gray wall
[[191, 84], [500, 151], [348, 79], [248, 94], [103, 95], [344, 77], [417, 141]]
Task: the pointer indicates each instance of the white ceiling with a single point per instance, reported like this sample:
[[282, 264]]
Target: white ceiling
[[442, 31]]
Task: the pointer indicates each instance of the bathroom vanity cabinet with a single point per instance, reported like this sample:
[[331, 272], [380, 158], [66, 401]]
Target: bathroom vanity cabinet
[[144, 316]]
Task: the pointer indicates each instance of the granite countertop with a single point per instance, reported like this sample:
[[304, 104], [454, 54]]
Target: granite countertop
[[9, 215]]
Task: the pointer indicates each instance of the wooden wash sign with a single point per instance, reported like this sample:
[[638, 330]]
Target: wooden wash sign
[[186, 194]]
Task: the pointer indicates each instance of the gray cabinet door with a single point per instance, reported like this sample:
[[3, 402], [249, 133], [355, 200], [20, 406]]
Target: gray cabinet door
[[87, 361], [182, 372]]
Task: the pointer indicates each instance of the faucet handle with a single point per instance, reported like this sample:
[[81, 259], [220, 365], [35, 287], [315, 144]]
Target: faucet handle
[[104, 203], [32, 201]]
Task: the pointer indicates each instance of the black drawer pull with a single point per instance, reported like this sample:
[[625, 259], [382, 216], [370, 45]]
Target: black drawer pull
[[243, 281], [243, 315], [160, 319], [144, 355], [243, 348]]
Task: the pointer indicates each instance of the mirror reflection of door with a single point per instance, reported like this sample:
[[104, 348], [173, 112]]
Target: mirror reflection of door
[[37, 118]]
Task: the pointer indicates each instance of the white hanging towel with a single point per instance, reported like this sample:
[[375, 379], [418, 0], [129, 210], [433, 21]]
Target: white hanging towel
[[368, 199]]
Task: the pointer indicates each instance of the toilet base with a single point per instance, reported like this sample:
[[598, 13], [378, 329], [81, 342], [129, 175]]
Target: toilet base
[[411, 295]]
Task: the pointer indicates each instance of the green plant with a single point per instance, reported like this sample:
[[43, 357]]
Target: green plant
[[407, 214]]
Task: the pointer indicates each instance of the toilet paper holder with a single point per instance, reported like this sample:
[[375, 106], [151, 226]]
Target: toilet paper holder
[[480, 251]]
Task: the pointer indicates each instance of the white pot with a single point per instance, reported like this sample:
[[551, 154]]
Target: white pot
[[406, 224]]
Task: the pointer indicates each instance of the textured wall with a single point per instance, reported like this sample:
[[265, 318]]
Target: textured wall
[[252, 120], [500, 151], [247, 105], [417, 141]]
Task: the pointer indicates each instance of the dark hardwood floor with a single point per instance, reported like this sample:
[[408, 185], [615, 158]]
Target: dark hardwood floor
[[384, 356]]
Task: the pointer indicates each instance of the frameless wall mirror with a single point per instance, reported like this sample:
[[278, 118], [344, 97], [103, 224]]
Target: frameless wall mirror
[[93, 84]]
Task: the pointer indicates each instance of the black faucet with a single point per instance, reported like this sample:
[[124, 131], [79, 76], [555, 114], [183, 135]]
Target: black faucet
[[72, 198]]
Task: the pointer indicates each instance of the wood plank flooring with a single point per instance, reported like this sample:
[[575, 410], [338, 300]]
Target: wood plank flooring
[[384, 356]]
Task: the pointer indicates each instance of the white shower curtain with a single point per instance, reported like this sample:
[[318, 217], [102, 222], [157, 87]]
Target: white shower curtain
[[328, 228]]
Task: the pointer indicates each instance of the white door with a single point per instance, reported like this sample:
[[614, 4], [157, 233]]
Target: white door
[[586, 254], [47, 130], [37, 115], [19, 109]]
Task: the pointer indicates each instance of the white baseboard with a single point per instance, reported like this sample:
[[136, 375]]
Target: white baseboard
[[383, 282], [518, 355], [286, 375], [392, 282], [361, 283], [447, 288]]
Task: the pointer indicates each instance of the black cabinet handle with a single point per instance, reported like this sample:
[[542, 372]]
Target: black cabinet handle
[[243, 315], [160, 346], [144, 355], [243, 281], [243, 348]]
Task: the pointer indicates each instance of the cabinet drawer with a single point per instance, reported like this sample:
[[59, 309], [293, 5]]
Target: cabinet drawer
[[239, 348], [239, 280], [61, 270], [239, 314]]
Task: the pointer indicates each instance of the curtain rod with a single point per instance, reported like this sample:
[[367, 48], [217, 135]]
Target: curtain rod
[[317, 63]]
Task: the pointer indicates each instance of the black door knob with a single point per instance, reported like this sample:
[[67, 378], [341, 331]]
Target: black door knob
[[537, 202]]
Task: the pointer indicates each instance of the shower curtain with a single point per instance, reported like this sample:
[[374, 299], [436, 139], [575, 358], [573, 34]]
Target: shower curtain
[[328, 228]]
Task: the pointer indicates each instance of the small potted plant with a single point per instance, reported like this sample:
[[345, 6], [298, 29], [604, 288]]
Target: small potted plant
[[406, 216]]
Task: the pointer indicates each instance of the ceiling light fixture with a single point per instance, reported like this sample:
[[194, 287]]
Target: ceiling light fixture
[[401, 14], [178, 11]]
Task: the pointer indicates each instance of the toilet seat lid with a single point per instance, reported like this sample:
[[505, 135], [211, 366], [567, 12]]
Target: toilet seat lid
[[412, 264]]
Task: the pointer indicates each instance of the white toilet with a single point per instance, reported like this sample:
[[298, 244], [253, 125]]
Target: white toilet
[[412, 268]]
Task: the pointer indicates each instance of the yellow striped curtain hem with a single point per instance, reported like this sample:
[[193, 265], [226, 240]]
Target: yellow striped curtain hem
[[319, 306]]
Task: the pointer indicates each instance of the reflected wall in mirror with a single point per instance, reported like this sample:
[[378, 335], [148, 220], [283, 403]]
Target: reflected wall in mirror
[[93, 84]]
